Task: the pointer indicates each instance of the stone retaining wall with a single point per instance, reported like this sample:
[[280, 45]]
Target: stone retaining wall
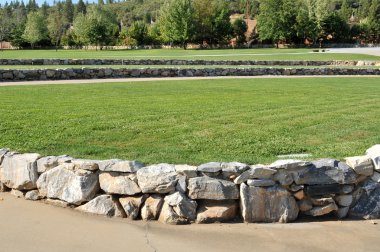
[[99, 73], [213, 192], [183, 62]]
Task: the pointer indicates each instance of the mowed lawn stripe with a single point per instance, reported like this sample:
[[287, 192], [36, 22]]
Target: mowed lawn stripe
[[194, 121]]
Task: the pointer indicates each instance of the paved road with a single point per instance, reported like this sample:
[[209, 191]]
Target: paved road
[[36, 227], [370, 50]]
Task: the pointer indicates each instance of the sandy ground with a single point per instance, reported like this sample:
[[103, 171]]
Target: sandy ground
[[34, 226], [94, 81]]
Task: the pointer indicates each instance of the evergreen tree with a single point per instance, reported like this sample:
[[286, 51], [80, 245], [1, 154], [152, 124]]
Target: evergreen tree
[[69, 11], [80, 8]]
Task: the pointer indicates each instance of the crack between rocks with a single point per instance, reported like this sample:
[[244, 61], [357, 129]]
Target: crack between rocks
[[146, 235]]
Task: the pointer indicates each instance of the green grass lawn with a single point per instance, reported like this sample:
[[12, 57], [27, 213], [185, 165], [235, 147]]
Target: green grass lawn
[[247, 120], [227, 54]]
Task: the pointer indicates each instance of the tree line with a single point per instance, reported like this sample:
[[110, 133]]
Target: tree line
[[180, 22]]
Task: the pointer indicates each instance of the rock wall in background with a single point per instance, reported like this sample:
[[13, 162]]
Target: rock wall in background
[[104, 73], [213, 192]]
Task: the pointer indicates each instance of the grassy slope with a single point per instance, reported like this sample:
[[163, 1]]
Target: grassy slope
[[250, 120], [236, 54]]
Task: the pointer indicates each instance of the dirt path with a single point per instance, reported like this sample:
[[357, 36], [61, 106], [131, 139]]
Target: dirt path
[[36, 227], [94, 81]]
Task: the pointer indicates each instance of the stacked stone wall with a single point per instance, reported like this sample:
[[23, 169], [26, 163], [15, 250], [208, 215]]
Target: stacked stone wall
[[282, 191]]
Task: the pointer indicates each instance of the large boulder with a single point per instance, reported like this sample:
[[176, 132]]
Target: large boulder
[[19, 171], [289, 164], [210, 211], [118, 183], [212, 189], [325, 171], [116, 165], [267, 204], [368, 204], [161, 178], [374, 154], [65, 183], [212, 167], [85, 164], [132, 205], [47, 163], [102, 205], [232, 170], [152, 207]]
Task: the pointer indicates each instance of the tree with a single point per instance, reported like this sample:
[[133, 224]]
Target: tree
[[69, 11], [239, 27], [139, 32], [374, 21], [306, 25], [6, 26], [276, 20], [176, 22], [80, 8], [57, 23], [334, 28], [35, 28], [222, 29], [345, 10]]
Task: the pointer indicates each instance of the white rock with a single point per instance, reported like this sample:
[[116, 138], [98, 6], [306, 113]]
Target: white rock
[[65, 183], [289, 164], [182, 206], [17, 193], [118, 183], [212, 167], [187, 170], [362, 165], [161, 178], [19, 171], [102, 205], [132, 205], [47, 163], [152, 207], [374, 154], [116, 165]]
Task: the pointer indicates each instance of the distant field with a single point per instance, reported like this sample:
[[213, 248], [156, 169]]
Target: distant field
[[247, 120], [227, 54]]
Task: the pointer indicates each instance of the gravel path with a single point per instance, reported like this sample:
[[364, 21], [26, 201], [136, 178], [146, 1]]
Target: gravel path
[[368, 50]]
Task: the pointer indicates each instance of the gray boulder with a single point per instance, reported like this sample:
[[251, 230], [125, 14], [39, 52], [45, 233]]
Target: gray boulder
[[118, 183], [132, 205], [161, 178], [169, 216], [210, 211], [232, 170], [325, 171], [212, 189], [85, 164], [260, 182], [289, 164], [33, 195], [322, 210], [116, 165], [368, 204], [212, 167], [255, 172], [255, 201], [19, 171], [65, 183], [102, 205], [152, 207]]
